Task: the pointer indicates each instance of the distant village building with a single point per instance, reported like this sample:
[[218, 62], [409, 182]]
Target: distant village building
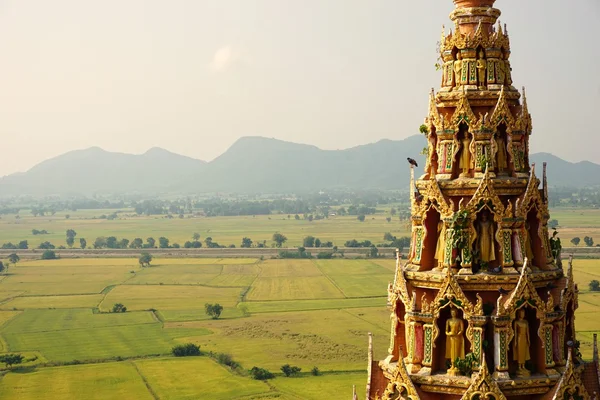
[[482, 308]]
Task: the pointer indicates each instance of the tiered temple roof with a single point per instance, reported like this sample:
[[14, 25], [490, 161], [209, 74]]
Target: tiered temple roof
[[482, 308]]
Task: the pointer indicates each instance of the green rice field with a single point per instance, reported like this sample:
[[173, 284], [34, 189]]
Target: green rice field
[[309, 313]]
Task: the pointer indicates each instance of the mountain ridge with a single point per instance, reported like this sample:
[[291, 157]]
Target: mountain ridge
[[252, 164]]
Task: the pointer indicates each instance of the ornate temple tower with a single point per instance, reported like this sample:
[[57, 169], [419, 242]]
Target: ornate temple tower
[[482, 309]]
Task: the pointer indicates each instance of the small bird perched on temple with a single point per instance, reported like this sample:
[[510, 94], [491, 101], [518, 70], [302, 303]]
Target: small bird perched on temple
[[412, 162], [418, 195], [503, 291]]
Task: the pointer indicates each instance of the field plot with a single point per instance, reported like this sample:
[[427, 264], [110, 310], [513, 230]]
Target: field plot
[[93, 382], [307, 305], [169, 297], [329, 386], [196, 378], [331, 339], [65, 277], [363, 285], [6, 316], [285, 268], [203, 261], [76, 301], [178, 274], [351, 267], [59, 320], [93, 343], [198, 314], [236, 275], [289, 287]]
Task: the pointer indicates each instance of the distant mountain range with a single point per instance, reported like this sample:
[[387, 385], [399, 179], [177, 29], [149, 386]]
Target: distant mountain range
[[251, 165]]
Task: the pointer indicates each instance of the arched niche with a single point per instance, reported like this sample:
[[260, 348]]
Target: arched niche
[[536, 364], [464, 139], [432, 155], [481, 228], [431, 224], [502, 162], [533, 226], [398, 348], [439, 360]]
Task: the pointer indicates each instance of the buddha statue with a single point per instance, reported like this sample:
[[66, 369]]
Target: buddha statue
[[458, 67], [521, 344], [481, 70], [464, 162], [501, 158], [441, 244], [485, 239], [455, 344]]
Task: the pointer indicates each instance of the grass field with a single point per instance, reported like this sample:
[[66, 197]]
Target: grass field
[[302, 312]]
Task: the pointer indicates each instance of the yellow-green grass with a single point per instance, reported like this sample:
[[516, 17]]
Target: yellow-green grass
[[204, 261], [324, 387], [224, 230], [196, 378], [6, 316], [587, 344], [389, 264], [198, 314], [307, 305], [180, 274], [585, 271], [71, 319], [54, 277], [290, 287], [97, 382], [379, 316], [351, 267], [363, 285], [169, 297], [330, 339], [80, 262], [8, 294], [287, 268], [93, 343], [76, 301]]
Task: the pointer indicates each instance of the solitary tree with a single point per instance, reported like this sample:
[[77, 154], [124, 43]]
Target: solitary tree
[[151, 242], [594, 285], [136, 243], [82, 243], [14, 258], [576, 241], [71, 237], [290, 370], [1, 267], [361, 218], [213, 310], [279, 239], [553, 224], [11, 359], [588, 241], [246, 242], [145, 259], [317, 242], [309, 241], [163, 242], [119, 308], [196, 236], [49, 255]]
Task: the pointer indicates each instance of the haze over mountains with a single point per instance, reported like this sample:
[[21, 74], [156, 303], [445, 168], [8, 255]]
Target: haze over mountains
[[251, 165]]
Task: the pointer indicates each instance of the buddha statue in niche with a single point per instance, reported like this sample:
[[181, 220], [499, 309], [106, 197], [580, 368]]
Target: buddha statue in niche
[[440, 248], [486, 248], [455, 344], [501, 157], [464, 161], [521, 344]]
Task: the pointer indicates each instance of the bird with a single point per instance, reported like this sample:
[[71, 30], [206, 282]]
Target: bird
[[418, 195], [503, 291], [570, 343], [497, 270], [412, 162]]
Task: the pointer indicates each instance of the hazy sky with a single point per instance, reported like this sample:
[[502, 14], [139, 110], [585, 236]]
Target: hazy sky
[[193, 76]]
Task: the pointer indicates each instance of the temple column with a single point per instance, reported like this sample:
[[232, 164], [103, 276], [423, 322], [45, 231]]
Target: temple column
[[428, 334], [495, 70], [470, 67], [506, 247], [418, 236], [483, 150], [558, 342], [445, 150], [414, 343], [502, 330], [476, 334], [547, 330]]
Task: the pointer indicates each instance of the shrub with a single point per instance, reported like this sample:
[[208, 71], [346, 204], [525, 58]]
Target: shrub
[[261, 374], [325, 255], [227, 359], [213, 310], [594, 285], [48, 255], [315, 371], [186, 350], [119, 308], [290, 370]]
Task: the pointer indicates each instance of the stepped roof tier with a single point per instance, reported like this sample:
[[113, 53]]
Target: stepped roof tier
[[483, 307]]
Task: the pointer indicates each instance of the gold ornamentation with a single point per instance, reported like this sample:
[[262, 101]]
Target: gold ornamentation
[[483, 386], [400, 386], [571, 385]]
